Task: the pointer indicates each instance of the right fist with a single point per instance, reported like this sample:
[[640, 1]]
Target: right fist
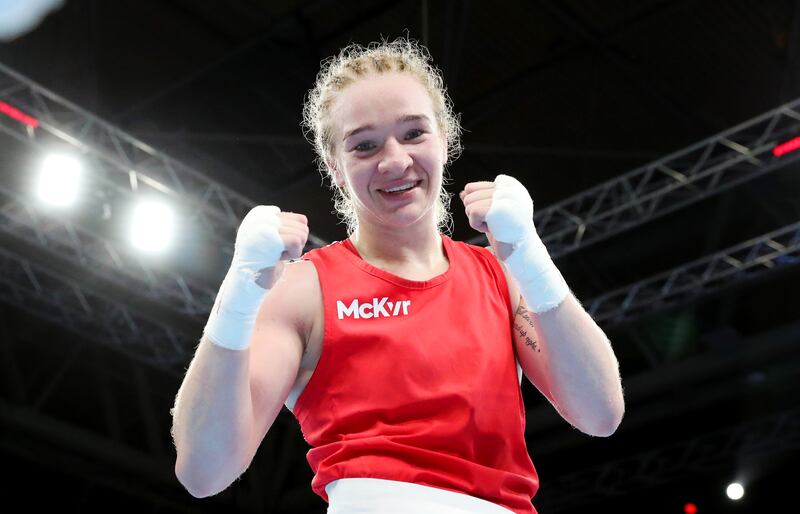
[[268, 235], [265, 238]]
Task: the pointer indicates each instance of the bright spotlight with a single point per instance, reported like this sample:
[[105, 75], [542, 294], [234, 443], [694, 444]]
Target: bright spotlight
[[59, 180], [735, 491], [153, 226]]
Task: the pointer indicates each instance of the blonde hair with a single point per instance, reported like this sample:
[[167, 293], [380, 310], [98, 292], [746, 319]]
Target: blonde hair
[[355, 62]]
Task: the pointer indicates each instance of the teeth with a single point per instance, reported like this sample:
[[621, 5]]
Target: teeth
[[401, 188]]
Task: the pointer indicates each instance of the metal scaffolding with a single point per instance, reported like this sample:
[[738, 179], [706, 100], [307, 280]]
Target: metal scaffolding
[[777, 249], [714, 377], [61, 238], [128, 161], [68, 304], [709, 167], [770, 435], [122, 168]]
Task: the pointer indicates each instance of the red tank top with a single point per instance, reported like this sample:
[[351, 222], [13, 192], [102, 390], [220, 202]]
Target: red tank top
[[417, 381]]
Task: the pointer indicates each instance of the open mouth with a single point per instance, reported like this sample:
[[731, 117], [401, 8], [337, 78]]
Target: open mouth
[[403, 192]]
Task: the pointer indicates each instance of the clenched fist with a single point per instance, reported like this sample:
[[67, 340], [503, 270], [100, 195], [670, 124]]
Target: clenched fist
[[265, 238], [503, 210]]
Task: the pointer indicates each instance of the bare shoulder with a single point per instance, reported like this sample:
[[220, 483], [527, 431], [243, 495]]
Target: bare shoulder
[[299, 292], [301, 272]]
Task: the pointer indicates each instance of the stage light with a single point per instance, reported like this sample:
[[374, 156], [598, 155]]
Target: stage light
[[690, 508], [735, 491], [59, 180], [152, 226]]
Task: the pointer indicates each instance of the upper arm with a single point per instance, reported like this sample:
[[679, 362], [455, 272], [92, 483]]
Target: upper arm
[[525, 338], [278, 343]]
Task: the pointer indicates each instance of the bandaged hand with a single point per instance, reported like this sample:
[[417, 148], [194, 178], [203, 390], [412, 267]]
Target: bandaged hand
[[265, 236], [504, 210]]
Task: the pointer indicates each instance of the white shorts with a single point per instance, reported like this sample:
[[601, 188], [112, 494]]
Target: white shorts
[[379, 496]]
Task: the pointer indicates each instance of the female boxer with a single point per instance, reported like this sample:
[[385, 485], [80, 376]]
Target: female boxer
[[398, 350]]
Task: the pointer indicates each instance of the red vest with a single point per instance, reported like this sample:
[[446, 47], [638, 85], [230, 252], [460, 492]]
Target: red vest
[[417, 381]]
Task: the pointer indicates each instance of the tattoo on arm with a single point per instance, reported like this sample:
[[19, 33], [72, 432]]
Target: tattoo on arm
[[526, 330]]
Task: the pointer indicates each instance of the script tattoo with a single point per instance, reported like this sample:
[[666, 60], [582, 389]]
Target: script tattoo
[[522, 330]]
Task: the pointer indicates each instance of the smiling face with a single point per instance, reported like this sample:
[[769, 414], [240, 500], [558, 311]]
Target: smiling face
[[385, 135]]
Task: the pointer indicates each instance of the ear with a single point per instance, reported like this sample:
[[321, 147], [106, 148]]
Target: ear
[[333, 169]]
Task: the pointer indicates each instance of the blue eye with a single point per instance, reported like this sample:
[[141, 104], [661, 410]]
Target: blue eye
[[363, 147], [416, 132]]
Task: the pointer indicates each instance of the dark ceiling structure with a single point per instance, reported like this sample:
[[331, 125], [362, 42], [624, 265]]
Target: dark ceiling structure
[[646, 131]]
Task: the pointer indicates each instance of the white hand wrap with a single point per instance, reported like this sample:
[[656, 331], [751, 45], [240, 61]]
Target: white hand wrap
[[258, 246], [510, 220]]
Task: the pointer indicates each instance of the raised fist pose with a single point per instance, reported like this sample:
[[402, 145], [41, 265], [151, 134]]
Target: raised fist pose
[[503, 210], [264, 240], [399, 350]]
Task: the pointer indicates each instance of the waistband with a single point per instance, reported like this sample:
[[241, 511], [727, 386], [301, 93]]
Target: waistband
[[380, 496]]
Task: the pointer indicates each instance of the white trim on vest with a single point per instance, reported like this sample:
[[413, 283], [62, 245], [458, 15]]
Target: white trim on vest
[[379, 496]]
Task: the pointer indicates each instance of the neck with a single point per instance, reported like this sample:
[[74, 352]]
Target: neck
[[419, 245]]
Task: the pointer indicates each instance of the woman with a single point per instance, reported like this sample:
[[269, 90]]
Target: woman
[[414, 342]]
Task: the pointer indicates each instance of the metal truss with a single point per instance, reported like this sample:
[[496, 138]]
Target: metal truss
[[750, 260], [68, 304], [64, 239], [122, 168], [711, 166], [127, 163], [776, 249], [770, 435], [713, 378]]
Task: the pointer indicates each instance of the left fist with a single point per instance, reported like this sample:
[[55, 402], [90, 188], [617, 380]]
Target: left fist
[[503, 209]]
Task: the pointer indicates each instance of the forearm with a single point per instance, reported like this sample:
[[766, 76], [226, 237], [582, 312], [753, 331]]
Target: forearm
[[580, 367], [571, 360], [213, 419]]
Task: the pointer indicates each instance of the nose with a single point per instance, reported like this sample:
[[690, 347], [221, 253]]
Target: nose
[[395, 157]]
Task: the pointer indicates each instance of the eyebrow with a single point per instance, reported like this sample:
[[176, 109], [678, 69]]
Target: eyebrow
[[401, 119]]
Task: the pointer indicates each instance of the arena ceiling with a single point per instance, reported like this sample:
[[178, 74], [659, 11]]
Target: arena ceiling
[[565, 96]]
